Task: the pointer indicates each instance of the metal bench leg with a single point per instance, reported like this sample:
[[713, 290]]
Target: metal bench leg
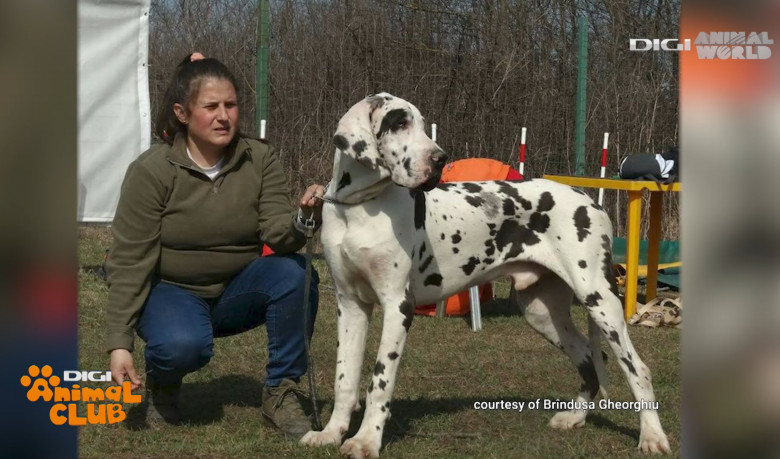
[[441, 308], [476, 313]]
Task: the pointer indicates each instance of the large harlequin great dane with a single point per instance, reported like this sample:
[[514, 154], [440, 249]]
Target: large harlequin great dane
[[393, 235]]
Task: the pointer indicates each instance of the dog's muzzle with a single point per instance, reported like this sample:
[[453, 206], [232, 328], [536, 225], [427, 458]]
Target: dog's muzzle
[[438, 160]]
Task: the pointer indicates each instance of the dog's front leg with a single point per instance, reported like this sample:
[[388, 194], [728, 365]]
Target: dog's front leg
[[398, 313], [352, 321]]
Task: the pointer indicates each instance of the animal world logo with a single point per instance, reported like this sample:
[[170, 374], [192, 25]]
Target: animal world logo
[[734, 45], [103, 406], [713, 45]]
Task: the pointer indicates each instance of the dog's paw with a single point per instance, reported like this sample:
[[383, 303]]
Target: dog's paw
[[654, 442], [323, 438], [359, 448], [566, 420]]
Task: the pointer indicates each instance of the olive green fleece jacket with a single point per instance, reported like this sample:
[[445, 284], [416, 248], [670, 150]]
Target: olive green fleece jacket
[[173, 224]]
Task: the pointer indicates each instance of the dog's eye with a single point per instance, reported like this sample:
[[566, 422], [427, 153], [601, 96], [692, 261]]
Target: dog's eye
[[402, 124]]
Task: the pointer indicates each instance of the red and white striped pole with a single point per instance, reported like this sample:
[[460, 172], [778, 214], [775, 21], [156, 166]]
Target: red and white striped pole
[[521, 154], [603, 166]]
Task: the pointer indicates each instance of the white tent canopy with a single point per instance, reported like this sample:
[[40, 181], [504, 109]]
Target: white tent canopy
[[114, 119]]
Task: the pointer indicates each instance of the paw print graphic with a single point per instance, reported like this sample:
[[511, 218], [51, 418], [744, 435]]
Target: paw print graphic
[[41, 387]]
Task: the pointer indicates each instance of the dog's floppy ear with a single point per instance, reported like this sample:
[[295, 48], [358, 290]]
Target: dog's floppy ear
[[354, 134]]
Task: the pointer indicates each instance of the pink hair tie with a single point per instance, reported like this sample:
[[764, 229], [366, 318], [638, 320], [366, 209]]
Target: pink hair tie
[[196, 57]]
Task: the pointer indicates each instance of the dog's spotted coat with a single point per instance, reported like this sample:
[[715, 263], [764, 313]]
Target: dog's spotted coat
[[398, 238]]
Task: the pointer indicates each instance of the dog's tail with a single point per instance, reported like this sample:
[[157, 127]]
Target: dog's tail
[[599, 357]]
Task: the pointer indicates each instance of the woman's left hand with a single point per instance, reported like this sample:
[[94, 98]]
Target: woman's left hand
[[311, 206]]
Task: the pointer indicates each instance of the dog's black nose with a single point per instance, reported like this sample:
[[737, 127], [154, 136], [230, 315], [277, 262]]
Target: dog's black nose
[[439, 158]]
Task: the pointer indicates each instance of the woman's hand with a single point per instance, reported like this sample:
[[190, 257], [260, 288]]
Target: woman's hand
[[310, 206], [122, 368]]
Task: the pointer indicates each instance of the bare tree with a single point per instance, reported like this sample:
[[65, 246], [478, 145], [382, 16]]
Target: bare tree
[[480, 69]]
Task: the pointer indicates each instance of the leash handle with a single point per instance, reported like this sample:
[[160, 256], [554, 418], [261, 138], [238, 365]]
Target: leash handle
[[309, 225]]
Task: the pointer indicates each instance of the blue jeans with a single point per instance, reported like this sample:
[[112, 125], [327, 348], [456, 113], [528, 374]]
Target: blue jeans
[[179, 327]]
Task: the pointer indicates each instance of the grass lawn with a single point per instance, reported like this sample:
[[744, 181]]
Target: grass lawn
[[445, 369]]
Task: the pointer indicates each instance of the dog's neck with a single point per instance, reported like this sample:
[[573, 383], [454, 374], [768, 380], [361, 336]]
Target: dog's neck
[[353, 183]]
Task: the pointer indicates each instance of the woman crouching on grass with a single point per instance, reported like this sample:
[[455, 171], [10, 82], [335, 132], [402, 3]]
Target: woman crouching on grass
[[184, 266]]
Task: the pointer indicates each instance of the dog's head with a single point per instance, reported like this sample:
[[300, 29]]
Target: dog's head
[[383, 132]]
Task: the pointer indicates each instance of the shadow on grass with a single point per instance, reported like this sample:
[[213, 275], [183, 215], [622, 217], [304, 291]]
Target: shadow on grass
[[497, 307], [601, 422], [406, 412], [500, 307], [203, 402], [508, 307]]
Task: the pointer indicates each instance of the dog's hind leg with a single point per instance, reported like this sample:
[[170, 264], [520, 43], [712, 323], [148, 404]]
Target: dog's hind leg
[[606, 310], [547, 309], [352, 321], [398, 313]]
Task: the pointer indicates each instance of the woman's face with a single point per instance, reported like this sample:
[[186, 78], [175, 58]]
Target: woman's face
[[212, 117]]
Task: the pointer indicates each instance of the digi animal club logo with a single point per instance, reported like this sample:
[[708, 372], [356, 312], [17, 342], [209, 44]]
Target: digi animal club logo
[[103, 406]]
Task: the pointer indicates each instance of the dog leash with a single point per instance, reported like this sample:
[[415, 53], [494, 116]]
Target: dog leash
[[334, 201], [310, 226]]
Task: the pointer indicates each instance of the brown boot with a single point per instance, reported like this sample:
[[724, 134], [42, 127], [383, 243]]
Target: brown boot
[[283, 409], [162, 402]]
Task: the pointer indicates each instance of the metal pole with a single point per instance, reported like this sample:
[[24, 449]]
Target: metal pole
[[582, 74], [261, 94], [521, 156], [603, 167], [476, 308]]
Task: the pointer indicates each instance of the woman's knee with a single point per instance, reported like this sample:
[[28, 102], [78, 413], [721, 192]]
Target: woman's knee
[[181, 353], [293, 267]]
